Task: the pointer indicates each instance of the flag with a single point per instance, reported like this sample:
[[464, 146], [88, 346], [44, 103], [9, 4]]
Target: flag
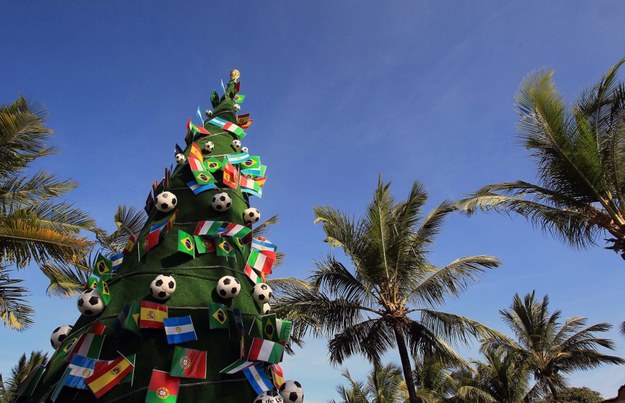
[[103, 267], [238, 320], [252, 275], [196, 129], [277, 375], [188, 363], [239, 98], [231, 175], [204, 178], [195, 164], [268, 327], [256, 172], [257, 378], [27, 387], [148, 242], [203, 244], [197, 188], [103, 289], [234, 230], [166, 222], [249, 185], [223, 248], [149, 203], [244, 121], [178, 149], [107, 375], [260, 181], [116, 260], [196, 152], [209, 228], [239, 243], [219, 122], [236, 366], [265, 350], [179, 329], [238, 158], [185, 243], [130, 244], [263, 245], [163, 388], [89, 345], [251, 163], [232, 128], [152, 315], [262, 261], [128, 318], [80, 369], [213, 164], [199, 114], [218, 316], [130, 377], [59, 385]]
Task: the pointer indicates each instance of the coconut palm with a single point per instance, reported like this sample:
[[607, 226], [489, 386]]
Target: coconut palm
[[389, 294], [34, 226], [502, 377], [19, 373], [550, 349], [580, 156], [384, 385]]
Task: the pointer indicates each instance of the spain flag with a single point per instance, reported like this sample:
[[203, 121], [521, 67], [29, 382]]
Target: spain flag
[[152, 315], [107, 375]]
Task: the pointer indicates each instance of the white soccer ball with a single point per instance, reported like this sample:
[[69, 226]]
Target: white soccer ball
[[162, 287], [208, 113], [236, 144], [221, 202], [262, 293], [90, 302], [237, 107], [266, 308], [209, 146], [251, 215], [269, 396], [59, 334], [180, 158], [244, 149], [166, 202], [292, 392], [228, 287]]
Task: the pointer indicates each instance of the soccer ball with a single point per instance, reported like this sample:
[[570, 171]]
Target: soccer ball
[[90, 303], [269, 396], [221, 202], [163, 286], [228, 287], [266, 308], [251, 215], [244, 149], [58, 335], [208, 113], [292, 392], [237, 107], [166, 202], [180, 159], [236, 144], [262, 293], [209, 146]]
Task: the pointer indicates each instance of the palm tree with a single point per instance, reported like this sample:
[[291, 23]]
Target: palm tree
[[548, 348], [369, 308], [384, 385], [502, 377], [580, 155], [33, 225], [19, 373]]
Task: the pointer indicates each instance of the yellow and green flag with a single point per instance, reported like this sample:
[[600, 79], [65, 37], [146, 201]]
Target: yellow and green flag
[[186, 243]]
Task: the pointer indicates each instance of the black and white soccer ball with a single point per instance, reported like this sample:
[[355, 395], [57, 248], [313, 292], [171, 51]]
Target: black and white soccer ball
[[244, 149], [166, 202], [180, 158], [237, 107], [228, 287], [266, 308], [208, 113], [209, 146], [236, 144], [269, 396], [251, 215], [292, 392], [221, 201], [90, 302], [162, 287], [262, 293], [59, 334]]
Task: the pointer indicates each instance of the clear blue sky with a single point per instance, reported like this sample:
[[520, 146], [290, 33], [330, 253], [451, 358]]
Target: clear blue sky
[[339, 93]]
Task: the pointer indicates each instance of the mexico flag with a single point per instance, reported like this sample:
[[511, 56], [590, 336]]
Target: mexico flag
[[188, 363], [163, 388]]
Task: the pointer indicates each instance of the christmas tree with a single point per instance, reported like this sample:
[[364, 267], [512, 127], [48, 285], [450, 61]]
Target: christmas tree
[[182, 313]]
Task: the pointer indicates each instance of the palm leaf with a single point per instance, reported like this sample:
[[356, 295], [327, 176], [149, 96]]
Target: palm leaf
[[14, 309]]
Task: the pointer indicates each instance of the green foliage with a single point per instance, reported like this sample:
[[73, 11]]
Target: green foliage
[[19, 373], [576, 395], [384, 385]]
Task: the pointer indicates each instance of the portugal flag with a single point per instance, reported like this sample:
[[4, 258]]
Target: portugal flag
[[188, 363], [163, 388]]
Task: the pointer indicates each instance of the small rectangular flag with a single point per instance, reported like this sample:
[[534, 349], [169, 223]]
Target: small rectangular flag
[[255, 172], [185, 243], [251, 163], [218, 316], [152, 315], [265, 350], [196, 129], [238, 158], [116, 260], [129, 318], [160, 225], [213, 164], [257, 378], [239, 98], [196, 153], [223, 248], [263, 245], [179, 329], [219, 122], [268, 327], [283, 330], [203, 244], [250, 186], [195, 164], [262, 261], [130, 245], [148, 242], [103, 291], [89, 345], [252, 275], [59, 385], [244, 121], [232, 128], [204, 177], [188, 363], [80, 369], [107, 375], [197, 188], [234, 230], [163, 388], [236, 366], [277, 375], [209, 228], [238, 320], [230, 175], [103, 267]]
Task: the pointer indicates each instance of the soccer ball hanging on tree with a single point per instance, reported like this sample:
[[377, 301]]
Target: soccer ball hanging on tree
[[292, 392], [228, 287], [90, 303], [236, 144], [269, 396], [166, 202], [58, 335], [262, 293], [221, 202], [251, 215], [162, 287], [180, 159], [209, 146]]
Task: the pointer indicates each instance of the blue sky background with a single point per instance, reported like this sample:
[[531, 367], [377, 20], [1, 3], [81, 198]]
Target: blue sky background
[[339, 92]]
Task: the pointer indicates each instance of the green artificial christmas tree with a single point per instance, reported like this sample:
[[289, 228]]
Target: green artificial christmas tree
[[182, 315]]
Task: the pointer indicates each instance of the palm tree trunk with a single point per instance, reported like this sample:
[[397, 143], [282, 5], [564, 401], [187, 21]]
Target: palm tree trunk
[[405, 362]]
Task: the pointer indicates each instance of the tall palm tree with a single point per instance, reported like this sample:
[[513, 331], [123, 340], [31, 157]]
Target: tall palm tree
[[548, 348], [19, 373], [502, 377], [580, 156], [34, 227], [371, 306], [384, 385]]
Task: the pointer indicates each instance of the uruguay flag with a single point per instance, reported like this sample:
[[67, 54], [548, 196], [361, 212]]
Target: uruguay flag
[[179, 329], [80, 368]]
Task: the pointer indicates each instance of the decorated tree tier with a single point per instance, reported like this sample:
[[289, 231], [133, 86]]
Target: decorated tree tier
[[183, 314]]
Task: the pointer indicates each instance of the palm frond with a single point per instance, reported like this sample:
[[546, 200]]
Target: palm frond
[[455, 327], [332, 277], [14, 309], [66, 280], [129, 221], [28, 191], [370, 338]]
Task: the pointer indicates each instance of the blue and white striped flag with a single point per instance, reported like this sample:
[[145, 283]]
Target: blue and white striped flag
[[257, 378], [80, 369], [179, 329], [116, 260], [197, 188]]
